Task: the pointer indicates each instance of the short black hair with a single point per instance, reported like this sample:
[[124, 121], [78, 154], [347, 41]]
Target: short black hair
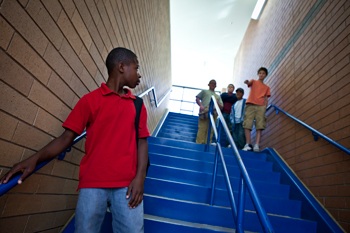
[[231, 84], [117, 55], [212, 80], [263, 69]]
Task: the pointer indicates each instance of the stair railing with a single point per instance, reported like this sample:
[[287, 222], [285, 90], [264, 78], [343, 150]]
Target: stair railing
[[314, 132], [244, 180], [14, 180]]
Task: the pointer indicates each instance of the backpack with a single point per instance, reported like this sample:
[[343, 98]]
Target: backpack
[[138, 102]]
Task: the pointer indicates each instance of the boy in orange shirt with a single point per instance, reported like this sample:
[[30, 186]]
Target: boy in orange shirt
[[255, 109]]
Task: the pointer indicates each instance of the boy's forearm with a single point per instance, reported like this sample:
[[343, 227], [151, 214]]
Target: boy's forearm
[[142, 158], [56, 147]]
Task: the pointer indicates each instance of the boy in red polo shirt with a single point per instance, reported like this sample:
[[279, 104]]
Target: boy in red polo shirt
[[114, 167], [255, 109]]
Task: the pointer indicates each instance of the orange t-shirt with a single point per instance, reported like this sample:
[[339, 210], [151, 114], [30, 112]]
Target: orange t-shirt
[[258, 92]]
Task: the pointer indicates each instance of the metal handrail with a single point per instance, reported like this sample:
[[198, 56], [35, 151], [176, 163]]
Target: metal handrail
[[13, 181], [244, 180], [315, 133], [155, 96]]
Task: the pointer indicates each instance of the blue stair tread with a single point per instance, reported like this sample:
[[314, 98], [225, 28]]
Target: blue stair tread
[[187, 145], [221, 216], [155, 224], [206, 156], [202, 179], [200, 194], [257, 173]]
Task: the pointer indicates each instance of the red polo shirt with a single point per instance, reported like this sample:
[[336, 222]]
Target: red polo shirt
[[111, 153]]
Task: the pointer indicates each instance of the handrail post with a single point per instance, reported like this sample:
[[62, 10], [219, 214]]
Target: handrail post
[[215, 168], [209, 129], [241, 204], [214, 177]]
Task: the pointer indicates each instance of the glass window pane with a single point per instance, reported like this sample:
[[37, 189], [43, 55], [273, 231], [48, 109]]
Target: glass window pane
[[174, 106]]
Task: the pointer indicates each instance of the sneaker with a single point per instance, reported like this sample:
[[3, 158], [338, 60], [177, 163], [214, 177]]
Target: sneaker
[[229, 146], [213, 144], [247, 147], [256, 148]]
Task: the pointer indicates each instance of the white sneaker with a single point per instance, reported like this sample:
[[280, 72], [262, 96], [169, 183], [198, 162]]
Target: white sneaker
[[256, 148], [247, 147], [229, 146], [213, 144]]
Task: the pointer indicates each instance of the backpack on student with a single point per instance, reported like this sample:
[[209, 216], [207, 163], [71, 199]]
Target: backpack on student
[[138, 102]]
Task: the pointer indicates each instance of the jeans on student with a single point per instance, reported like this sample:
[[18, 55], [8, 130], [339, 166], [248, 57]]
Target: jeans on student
[[91, 209], [239, 136], [229, 125]]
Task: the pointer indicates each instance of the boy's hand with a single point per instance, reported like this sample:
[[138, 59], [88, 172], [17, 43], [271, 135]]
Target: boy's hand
[[201, 109], [27, 167], [135, 189]]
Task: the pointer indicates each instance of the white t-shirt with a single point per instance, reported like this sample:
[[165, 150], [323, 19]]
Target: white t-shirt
[[238, 111]]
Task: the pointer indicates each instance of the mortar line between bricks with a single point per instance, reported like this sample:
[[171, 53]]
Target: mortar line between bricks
[[25, 226], [45, 194], [341, 173], [37, 213]]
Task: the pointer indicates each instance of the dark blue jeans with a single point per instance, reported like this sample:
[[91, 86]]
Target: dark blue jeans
[[239, 136]]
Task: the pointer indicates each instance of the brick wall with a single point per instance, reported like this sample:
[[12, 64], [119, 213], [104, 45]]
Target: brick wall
[[52, 52], [311, 82]]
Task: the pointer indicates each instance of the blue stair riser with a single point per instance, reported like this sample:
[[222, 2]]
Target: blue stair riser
[[181, 125], [182, 121], [186, 145], [229, 158], [201, 194], [172, 128], [178, 132], [249, 163], [181, 116], [207, 168], [202, 179], [219, 216], [178, 137]]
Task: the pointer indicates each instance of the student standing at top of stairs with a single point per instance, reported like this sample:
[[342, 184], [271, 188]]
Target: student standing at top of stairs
[[114, 167], [229, 98], [256, 105], [203, 100]]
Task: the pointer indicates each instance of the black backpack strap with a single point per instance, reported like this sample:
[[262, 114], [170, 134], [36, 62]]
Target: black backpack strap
[[138, 102]]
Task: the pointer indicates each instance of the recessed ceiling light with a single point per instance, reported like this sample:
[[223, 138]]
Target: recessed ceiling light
[[258, 8]]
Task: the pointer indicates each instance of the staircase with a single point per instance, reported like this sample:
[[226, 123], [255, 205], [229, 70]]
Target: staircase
[[177, 187]]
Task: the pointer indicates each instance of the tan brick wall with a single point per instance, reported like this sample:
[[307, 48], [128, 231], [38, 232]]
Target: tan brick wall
[[312, 82], [51, 54]]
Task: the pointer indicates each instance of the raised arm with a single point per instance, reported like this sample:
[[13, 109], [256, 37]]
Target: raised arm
[[249, 83], [51, 150]]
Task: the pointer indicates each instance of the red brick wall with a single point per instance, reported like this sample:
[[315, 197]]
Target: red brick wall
[[51, 54], [312, 82]]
